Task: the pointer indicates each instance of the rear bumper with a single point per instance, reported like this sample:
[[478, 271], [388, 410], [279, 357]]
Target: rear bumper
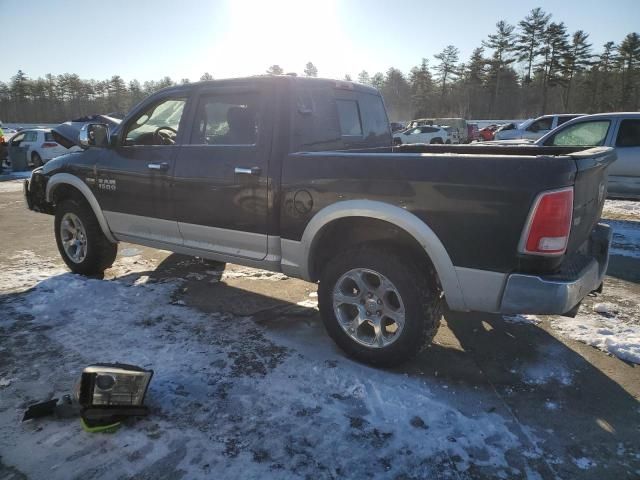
[[558, 294]]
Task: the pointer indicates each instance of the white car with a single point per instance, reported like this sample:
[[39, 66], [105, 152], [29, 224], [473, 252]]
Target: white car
[[423, 134], [34, 147], [535, 128]]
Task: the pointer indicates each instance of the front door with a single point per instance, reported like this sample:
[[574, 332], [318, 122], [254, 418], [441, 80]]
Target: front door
[[133, 181], [18, 152], [221, 188]]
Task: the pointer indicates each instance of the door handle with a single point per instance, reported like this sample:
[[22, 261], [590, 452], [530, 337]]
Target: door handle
[[158, 166], [248, 171]]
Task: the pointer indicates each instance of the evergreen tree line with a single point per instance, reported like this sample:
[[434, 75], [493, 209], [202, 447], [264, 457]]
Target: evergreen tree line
[[518, 71]]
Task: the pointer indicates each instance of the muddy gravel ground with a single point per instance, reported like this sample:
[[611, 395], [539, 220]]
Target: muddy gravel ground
[[248, 385]]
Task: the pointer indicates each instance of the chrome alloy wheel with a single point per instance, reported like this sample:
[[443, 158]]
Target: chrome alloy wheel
[[74, 237], [368, 307]]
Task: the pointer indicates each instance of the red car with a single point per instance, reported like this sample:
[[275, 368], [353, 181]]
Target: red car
[[486, 134]]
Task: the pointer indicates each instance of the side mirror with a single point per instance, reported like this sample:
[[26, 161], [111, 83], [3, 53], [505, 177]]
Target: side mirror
[[94, 135]]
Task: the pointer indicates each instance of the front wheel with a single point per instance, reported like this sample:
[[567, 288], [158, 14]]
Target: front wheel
[[81, 243], [378, 306]]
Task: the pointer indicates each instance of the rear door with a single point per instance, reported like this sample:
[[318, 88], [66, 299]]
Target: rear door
[[221, 189]]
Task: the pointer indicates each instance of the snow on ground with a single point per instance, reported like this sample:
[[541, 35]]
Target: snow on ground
[[625, 209], [228, 398], [11, 186], [626, 238], [617, 333]]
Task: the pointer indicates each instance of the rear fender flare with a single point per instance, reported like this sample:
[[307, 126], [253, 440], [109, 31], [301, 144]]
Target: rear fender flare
[[401, 218], [67, 179]]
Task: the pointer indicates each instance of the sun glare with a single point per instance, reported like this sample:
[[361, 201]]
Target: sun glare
[[289, 33]]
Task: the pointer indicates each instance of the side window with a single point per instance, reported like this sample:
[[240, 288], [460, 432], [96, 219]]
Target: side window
[[585, 134], [349, 116], [157, 125], [17, 138], [226, 119], [542, 124], [30, 136], [629, 134], [562, 120]]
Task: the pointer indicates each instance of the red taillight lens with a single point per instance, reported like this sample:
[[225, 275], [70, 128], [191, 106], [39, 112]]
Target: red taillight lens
[[549, 225], [49, 144]]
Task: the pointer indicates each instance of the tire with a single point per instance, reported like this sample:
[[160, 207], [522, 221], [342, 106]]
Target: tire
[[36, 160], [448, 142], [99, 252], [416, 294], [436, 141]]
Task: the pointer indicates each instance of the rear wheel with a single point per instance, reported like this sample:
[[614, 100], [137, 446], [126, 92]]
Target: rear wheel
[[81, 243], [437, 141], [379, 307], [36, 160]]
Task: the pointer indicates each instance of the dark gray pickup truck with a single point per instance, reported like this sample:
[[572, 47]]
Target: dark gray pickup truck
[[298, 175]]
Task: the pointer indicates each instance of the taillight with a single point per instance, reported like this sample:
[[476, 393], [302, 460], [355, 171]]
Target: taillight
[[549, 224], [49, 144]]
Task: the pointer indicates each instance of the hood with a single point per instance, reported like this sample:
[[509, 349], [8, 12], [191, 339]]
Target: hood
[[66, 134]]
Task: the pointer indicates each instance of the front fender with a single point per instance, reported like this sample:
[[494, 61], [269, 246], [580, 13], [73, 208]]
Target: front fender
[[60, 179]]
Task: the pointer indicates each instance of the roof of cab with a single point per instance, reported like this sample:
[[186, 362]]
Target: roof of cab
[[341, 84]]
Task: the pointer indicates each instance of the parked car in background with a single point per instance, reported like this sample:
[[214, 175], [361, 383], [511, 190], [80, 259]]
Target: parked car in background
[[486, 134], [397, 126], [34, 147], [618, 130], [473, 133], [424, 134], [535, 128], [459, 123], [452, 132]]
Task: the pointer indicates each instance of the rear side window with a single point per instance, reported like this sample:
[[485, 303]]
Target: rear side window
[[562, 120], [48, 137], [628, 134], [542, 124], [349, 117], [585, 134], [227, 119]]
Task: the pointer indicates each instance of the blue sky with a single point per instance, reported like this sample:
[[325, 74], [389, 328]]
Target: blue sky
[[184, 38]]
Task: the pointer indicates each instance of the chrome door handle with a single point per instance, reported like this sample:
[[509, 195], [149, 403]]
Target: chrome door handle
[[158, 166], [248, 171]]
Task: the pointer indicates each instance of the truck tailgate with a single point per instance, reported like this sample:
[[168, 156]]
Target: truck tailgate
[[590, 191]]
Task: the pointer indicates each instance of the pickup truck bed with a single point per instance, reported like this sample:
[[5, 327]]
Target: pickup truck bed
[[310, 185]]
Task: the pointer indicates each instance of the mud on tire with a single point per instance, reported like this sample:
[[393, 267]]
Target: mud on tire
[[417, 295], [100, 252]]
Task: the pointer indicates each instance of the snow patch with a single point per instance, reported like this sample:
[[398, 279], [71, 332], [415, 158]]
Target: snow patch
[[253, 274], [612, 333], [11, 186], [584, 463], [621, 208], [530, 319]]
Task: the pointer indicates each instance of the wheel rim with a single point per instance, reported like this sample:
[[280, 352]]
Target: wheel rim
[[73, 237], [369, 307]]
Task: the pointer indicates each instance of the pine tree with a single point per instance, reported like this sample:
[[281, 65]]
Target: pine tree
[[501, 43], [363, 78], [629, 63], [275, 70], [447, 68], [529, 39], [555, 50], [206, 76], [422, 89], [577, 60], [310, 70]]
